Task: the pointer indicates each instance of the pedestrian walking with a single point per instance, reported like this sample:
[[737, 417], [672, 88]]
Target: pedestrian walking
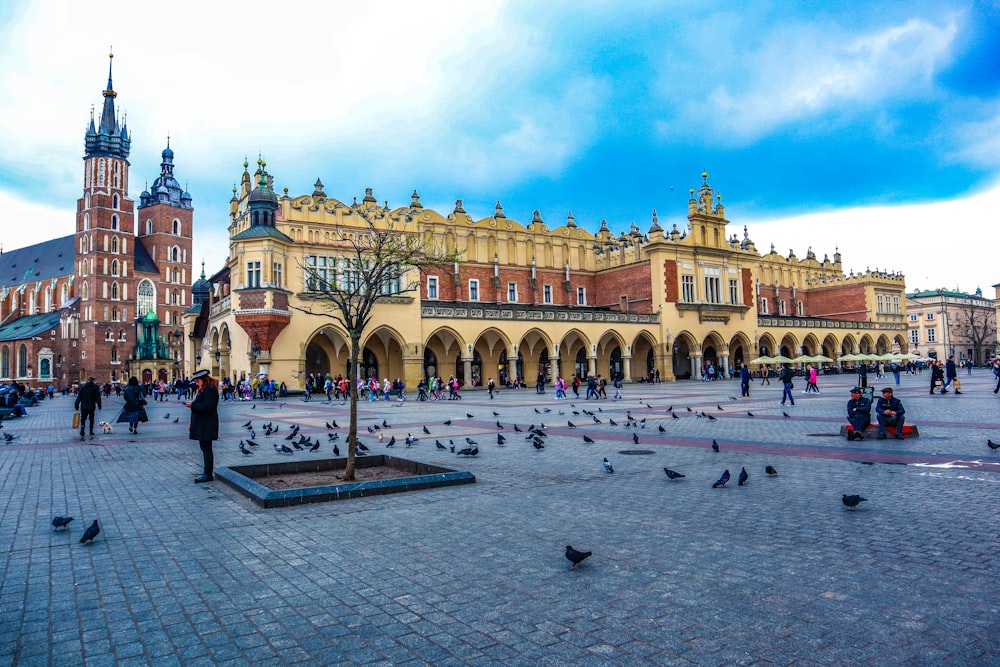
[[765, 375], [744, 380], [205, 420], [786, 377], [133, 411], [88, 401]]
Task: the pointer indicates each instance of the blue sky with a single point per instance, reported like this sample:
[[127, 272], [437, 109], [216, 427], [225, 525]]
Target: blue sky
[[873, 127]]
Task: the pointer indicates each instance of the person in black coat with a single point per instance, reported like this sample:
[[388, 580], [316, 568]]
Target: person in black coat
[[859, 415], [889, 411], [205, 419], [786, 377], [88, 400]]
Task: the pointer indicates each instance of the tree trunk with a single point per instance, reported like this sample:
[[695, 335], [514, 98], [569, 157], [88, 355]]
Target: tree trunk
[[352, 435]]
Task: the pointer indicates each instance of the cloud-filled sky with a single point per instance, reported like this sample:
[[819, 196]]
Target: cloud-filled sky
[[872, 128]]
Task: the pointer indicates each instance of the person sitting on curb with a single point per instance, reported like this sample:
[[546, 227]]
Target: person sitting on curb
[[889, 411], [859, 414]]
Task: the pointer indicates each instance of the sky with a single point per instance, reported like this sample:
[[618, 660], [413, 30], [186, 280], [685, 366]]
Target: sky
[[870, 128]]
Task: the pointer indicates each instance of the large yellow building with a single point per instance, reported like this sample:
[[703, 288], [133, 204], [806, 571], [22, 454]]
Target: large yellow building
[[529, 298]]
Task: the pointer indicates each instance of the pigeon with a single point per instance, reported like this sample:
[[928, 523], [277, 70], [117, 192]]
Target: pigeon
[[787, 416], [710, 417], [437, 443], [469, 416], [166, 416], [733, 398], [8, 437], [361, 446], [94, 530], [587, 438], [672, 474], [248, 425], [500, 439], [570, 424], [427, 431], [596, 420], [612, 422], [61, 522], [516, 429], [278, 448], [496, 414], [715, 445], [392, 441], [674, 415], [743, 477], [607, 465], [470, 441], [253, 433], [297, 446], [254, 406], [576, 557], [993, 445], [328, 427], [290, 436], [722, 480], [635, 438], [410, 439], [252, 443], [670, 409], [720, 408], [499, 425], [467, 451], [176, 419], [661, 429], [243, 448], [770, 470], [852, 501], [447, 423], [537, 444], [332, 436], [749, 414], [385, 424], [689, 409], [336, 450], [315, 447]]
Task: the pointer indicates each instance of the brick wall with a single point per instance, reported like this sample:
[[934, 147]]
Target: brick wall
[[251, 299], [633, 281], [747, 287], [671, 285], [845, 302]]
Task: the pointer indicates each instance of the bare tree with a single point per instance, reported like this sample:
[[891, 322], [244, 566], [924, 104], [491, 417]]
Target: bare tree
[[975, 325], [378, 261]]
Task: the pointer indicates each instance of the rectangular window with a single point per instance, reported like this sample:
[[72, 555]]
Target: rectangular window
[[687, 288], [881, 303], [799, 309], [913, 318], [253, 274], [432, 287], [278, 277], [581, 296], [713, 288], [512, 292], [473, 290], [930, 316], [931, 335], [547, 294], [781, 307], [895, 305], [914, 336], [763, 304], [734, 292]]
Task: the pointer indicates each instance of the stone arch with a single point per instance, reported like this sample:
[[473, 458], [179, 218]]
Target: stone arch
[[574, 354], [533, 353], [490, 346], [643, 358], [610, 350], [443, 352], [849, 345], [789, 346], [883, 345], [901, 344], [683, 347], [740, 350], [767, 346], [830, 347], [327, 351], [865, 345], [810, 345], [385, 345]]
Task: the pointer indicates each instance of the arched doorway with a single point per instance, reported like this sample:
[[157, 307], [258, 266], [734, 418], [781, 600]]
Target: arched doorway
[[503, 371], [369, 364], [682, 360], [615, 366], [430, 363], [317, 362], [580, 366], [544, 366], [477, 368]]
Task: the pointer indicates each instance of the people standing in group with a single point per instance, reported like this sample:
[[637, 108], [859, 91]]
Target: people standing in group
[[890, 412], [950, 375], [205, 420], [786, 377], [133, 411], [765, 375], [744, 380], [859, 414], [560, 388], [88, 401]]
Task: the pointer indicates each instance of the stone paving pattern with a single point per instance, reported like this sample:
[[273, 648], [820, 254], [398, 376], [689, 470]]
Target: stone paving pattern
[[778, 572]]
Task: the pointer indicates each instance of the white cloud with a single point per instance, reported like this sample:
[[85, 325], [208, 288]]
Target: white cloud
[[934, 245], [803, 71]]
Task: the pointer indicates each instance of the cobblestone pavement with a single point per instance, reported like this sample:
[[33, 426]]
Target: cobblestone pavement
[[777, 572]]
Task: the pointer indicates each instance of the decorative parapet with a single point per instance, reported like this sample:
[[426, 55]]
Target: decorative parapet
[[819, 323], [527, 313], [221, 307]]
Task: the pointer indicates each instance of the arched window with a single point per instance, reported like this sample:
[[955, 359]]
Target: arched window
[[175, 298], [22, 361], [105, 267], [104, 290], [117, 171], [149, 226], [86, 201], [114, 315], [86, 219], [114, 267], [107, 335], [145, 298], [84, 291], [65, 295], [175, 254], [114, 244], [124, 246], [176, 276], [177, 227], [48, 299], [114, 354], [105, 314], [114, 291], [83, 245], [100, 171], [115, 202], [114, 222], [4, 362], [106, 242], [31, 303]]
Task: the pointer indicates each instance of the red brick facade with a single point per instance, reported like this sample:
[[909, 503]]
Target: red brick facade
[[671, 283]]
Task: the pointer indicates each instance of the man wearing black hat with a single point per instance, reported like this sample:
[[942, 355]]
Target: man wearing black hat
[[859, 415]]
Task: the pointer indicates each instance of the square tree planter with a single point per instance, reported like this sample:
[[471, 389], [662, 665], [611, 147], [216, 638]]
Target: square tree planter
[[422, 476]]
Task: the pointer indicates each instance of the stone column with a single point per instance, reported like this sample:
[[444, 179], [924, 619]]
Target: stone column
[[627, 368], [467, 369], [592, 365], [724, 358], [554, 369], [696, 368]]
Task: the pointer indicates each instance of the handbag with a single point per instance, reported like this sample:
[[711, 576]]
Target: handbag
[[76, 420]]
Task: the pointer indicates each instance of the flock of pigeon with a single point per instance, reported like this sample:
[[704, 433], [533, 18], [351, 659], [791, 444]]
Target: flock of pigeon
[[62, 523]]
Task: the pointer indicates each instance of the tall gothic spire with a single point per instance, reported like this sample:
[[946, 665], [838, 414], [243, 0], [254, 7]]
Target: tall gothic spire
[[108, 139]]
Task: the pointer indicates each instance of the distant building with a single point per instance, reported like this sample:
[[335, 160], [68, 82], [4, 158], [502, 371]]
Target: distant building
[[528, 299], [105, 301], [944, 323]]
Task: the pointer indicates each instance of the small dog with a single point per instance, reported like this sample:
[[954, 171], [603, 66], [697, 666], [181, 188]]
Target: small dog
[[106, 426]]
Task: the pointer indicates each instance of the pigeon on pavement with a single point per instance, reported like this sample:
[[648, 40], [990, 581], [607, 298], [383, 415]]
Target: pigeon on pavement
[[94, 530], [852, 501], [576, 557], [743, 477], [607, 465], [61, 522], [992, 445], [770, 470], [715, 445], [722, 480], [672, 474], [587, 438]]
